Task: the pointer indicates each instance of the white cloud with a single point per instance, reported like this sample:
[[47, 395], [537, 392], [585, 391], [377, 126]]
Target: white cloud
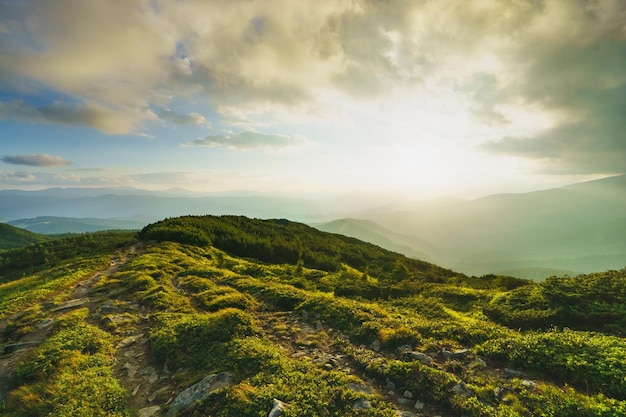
[[247, 140]]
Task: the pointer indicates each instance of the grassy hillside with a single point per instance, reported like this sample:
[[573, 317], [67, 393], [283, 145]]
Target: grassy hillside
[[270, 314], [13, 237]]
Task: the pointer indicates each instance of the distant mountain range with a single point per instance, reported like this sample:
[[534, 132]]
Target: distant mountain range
[[57, 225], [579, 228]]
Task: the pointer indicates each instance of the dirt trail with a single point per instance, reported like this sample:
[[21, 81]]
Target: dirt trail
[[78, 297]]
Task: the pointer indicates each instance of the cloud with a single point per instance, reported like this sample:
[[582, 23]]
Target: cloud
[[36, 160], [562, 60], [184, 119], [247, 140], [91, 114]]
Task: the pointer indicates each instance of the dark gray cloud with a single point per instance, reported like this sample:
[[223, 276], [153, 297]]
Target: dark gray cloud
[[574, 68], [36, 160], [91, 114], [250, 140]]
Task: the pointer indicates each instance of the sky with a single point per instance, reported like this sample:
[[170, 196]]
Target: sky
[[397, 97]]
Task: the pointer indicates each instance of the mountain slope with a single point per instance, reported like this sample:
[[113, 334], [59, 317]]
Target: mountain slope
[[12, 237], [578, 228], [190, 322], [369, 231]]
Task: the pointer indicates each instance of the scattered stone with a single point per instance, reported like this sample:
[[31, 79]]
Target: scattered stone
[[363, 388], [277, 408], [305, 314], [391, 386], [402, 413], [419, 356], [328, 366], [462, 389], [69, 304], [457, 354], [318, 326], [511, 373], [478, 364], [127, 341], [407, 394], [149, 411], [117, 319], [199, 392], [529, 384], [130, 370], [45, 323], [136, 390], [375, 346], [405, 401], [108, 307], [151, 373], [159, 392], [362, 404], [419, 405]]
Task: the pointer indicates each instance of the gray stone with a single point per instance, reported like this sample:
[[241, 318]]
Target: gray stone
[[478, 364], [461, 389], [277, 408], [407, 394], [159, 392], [148, 411], [419, 405], [529, 384], [362, 404], [419, 356], [45, 323], [199, 392], [69, 304], [375, 346], [457, 354], [127, 341], [405, 401], [363, 388], [318, 326], [391, 386], [129, 369], [511, 373]]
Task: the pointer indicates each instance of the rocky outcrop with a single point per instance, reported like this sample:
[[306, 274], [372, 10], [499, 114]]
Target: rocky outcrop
[[199, 392]]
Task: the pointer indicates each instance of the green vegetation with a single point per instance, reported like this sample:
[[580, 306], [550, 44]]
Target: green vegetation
[[13, 237], [328, 325]]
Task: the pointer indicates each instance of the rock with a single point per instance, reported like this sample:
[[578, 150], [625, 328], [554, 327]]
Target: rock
[[363, 388], [318, 326], [375, 346], [478, 364], [305, 314], [277, 408], [511, 373], [419, 405], [108, 307], [130, 370], [69, 304], [148, 411], [403, 348], [45, 323], [391, 386], [457, 354], [402, 413], [529, 384], [362, 404], [419, 356], [127, 341], [151, 373], [159, 392], [199, 392], [117, 319], [407, 394], [461, 389], [405, 401]]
